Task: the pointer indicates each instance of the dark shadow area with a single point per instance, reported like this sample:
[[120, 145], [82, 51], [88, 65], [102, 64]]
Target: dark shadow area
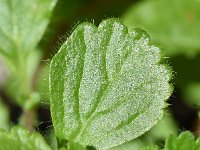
[[183, 114], [14, 110], [186, 70]]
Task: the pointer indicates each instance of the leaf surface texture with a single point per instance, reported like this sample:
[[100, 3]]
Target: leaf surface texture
[[106, 85]]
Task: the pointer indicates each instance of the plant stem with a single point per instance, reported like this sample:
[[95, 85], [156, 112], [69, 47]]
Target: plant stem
[[29, 114], [29, 119]]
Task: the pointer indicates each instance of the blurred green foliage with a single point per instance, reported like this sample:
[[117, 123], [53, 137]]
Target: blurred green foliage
[[21, 29], [4, 116], [174, 25], [185, 141]]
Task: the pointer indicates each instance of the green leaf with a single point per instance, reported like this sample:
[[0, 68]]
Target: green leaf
[[4, 116], [22, 24], [172, 23], [20, 139], [185, 141], [106, 85]]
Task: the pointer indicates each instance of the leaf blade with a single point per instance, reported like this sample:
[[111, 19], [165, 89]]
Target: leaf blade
[[110, 69]]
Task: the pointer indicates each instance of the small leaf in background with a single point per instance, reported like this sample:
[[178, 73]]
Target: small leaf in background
[[20, 139], [174, 24], [22, 24], [185, 141], [107, 86], [4, 116]]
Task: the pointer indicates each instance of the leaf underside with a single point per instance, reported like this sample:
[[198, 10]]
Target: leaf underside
[[20, 139], [106, 85]]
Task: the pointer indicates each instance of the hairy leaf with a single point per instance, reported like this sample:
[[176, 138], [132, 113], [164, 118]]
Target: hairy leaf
[[106, 85], [185, 141], [22, 24], [20, 139], [173, 23]]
